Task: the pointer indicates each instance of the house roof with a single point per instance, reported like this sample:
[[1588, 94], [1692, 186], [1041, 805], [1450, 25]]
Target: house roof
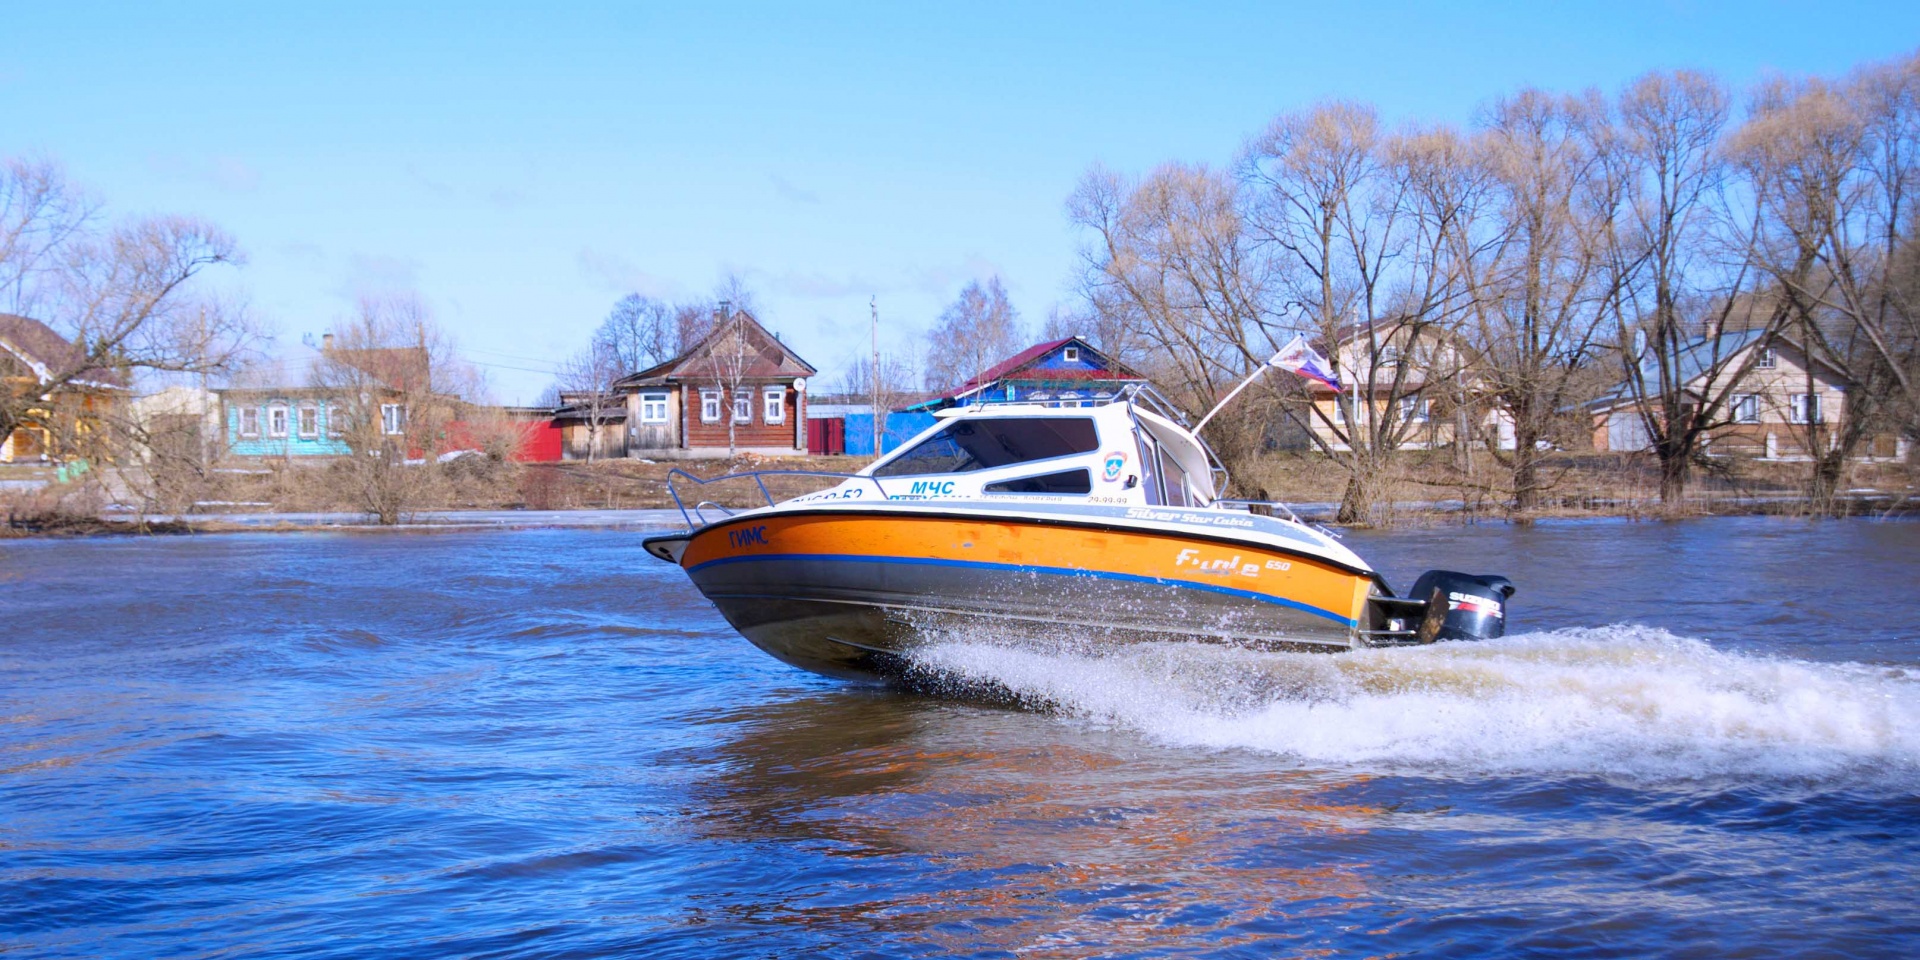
[[1020, 362], [769, 359], [50, 355], [1698, 357]]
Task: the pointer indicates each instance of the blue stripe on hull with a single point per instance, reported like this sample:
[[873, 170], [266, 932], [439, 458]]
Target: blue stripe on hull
[[1030, 568]]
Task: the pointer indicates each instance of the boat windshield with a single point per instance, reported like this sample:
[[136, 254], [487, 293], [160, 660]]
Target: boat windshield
[[985, 443]]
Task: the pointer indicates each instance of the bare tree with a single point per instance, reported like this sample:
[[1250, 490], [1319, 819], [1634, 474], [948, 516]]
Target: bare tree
[[126, 297], [1681, 262], [894, 390], [587, 383], [1835, 167], [978, 329], [393, 386], [1542, 305], [638, 333], [1177, 281], [726, 356]]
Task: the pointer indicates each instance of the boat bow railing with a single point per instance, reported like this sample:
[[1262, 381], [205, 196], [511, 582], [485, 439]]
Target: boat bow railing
[[696, 516]]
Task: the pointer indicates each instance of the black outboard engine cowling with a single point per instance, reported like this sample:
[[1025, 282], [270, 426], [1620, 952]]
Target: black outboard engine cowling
[[1461, 606]]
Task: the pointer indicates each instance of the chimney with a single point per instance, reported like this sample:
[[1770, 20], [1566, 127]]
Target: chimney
[[326, 342], [725, 311]]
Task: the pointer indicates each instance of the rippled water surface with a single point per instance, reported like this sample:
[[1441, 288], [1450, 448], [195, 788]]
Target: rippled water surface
[[1704, 739]]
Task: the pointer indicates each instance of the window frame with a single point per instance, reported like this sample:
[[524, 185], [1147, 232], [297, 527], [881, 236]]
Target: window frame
[[1070, 355], [904, 453], [1803, 408], [307, 413], [773, 404], [1767, 360], [651, 402], [742, 395], [711, 403], [336, 428], [246, 414], [1414, 408], [277, 421], [1744, 408], [393, 419]]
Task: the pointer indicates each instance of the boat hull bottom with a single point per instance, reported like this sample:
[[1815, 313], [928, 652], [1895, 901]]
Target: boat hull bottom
[[876, 642]]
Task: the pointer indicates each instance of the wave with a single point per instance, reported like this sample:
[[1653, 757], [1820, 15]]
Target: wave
[[1619, 700]]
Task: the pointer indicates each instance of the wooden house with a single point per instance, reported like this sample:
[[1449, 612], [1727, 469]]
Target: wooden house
[[1425, 380], [63, 401], [738, 387], [1772, 393], [1067, 372]]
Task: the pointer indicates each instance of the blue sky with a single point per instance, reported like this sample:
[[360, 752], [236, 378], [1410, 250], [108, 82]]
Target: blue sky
[[521, 168]]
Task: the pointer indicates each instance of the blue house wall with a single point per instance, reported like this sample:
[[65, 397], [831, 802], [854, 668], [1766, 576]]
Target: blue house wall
[[291, 445], [900, 428]]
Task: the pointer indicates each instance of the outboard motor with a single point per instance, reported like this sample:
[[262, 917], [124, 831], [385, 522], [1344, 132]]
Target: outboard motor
[[1461, 606]]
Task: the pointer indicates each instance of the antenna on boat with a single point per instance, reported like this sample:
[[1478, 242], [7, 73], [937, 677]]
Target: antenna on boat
[[873, 375]]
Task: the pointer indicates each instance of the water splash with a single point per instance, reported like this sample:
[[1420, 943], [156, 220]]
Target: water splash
[[1622, 700]]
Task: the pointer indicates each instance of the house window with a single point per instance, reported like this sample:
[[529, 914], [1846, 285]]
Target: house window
[[1071, 355], [309, 422], [1804, 408], [393, 419], [276, 421], [743, 405], [1766, 361], [775, 405], [1413, 409], [336, 423], [1389, 355], [1746, 408], [653, 408], [249, 422], [710, 406], [1339, 412]]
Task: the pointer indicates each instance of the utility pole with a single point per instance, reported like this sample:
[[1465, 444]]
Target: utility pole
[[873, 377]]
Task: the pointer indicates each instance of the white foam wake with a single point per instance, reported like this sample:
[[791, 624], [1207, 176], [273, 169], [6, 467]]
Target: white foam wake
[[1612, 700]]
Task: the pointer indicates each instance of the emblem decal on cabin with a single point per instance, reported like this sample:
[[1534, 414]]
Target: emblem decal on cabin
[[1116, 462]]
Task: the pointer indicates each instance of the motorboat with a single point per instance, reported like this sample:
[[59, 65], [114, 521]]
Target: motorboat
[[1097, 522]]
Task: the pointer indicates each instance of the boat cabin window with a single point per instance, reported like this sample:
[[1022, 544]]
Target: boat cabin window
[[982, 444], [1166, 481], [1066, 481]]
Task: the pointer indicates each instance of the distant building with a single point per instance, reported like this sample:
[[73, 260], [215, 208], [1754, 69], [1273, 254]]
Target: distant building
[[62, 422], [1773, 392], [1068, 372], [739, 377], [1435, 386]]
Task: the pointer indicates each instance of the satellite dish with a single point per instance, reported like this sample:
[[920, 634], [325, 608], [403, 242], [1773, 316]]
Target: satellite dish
[[800, 384]]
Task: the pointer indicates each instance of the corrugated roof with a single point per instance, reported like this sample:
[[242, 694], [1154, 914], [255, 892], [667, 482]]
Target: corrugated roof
[[1698, 357]]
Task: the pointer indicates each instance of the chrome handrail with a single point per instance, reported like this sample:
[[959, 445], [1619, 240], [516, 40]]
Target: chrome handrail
[[1263, 503], [758, 477]]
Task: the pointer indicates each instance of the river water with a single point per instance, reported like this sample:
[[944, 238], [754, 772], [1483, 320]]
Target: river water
[[1703, 740]]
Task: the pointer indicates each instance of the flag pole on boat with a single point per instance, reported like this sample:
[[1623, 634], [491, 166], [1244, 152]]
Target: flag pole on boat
[[1296, 358]]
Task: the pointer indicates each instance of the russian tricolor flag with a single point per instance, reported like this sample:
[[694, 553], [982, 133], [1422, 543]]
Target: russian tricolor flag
[[1298, 358]]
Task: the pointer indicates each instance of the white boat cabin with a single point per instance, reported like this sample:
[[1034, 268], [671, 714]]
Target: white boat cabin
[[1115, 454]]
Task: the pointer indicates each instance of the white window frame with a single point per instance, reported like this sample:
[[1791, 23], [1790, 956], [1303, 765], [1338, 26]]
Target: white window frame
[[1414, 408], [653, 407], [249, 421], [710, 406], [1803, 408], [1745, 408], [743, 405], [773, 405], [277, 421], [307, 421], [331, 413], [1767, 361], [393, 419], [1071, 355]]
